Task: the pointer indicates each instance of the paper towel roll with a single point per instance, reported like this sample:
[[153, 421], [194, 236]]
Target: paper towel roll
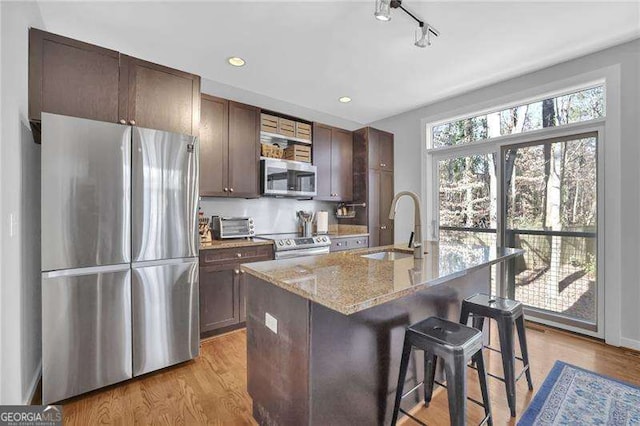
[[322, 222]]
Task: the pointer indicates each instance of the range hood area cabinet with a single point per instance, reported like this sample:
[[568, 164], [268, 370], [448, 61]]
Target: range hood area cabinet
[[229, 149], [77, 79], [332, 155], [374, 183]]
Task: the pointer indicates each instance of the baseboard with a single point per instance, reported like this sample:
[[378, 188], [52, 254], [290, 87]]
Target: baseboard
[[630, 343], [33, 386]]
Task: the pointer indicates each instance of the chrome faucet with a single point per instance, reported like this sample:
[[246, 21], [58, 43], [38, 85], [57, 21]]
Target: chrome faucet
[[418, 252]]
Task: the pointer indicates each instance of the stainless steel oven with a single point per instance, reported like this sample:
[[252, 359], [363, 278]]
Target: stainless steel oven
[[287, 246], [287, 178]]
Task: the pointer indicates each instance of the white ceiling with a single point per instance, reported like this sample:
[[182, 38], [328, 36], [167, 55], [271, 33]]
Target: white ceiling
[[311, 53]]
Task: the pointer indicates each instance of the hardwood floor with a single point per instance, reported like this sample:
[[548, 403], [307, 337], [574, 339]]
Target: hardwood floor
[[212, 389]]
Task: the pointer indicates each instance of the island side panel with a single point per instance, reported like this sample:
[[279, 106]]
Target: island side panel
[[277, 363], [355, 359]]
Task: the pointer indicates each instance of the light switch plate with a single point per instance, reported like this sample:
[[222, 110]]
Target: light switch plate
[[271, 322]]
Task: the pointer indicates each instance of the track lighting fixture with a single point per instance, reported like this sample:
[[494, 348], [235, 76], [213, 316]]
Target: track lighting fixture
[[424, 31]]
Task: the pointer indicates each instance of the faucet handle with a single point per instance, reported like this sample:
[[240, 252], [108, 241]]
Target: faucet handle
[[416, 244]]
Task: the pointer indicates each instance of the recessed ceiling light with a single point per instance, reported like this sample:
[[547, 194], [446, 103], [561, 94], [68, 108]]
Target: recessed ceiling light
[[345, 99], [236, 61]]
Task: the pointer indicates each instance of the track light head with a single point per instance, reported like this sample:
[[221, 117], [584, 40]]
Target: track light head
[[383, 10], [423, 36]]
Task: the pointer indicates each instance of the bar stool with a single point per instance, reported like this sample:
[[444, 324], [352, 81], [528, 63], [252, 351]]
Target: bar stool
[[506, 312], [456, 344]]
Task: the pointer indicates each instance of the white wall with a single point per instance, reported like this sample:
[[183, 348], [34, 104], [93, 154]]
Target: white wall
[[20, 189], [271, 215], [408, 156]]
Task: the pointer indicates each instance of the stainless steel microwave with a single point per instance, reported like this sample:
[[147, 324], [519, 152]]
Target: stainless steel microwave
[[288, 178]]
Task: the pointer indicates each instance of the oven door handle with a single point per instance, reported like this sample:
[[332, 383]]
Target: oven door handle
[[302, 252]]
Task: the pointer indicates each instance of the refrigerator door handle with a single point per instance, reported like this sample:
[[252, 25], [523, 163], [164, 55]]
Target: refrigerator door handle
[[178, 261], [85, 271]]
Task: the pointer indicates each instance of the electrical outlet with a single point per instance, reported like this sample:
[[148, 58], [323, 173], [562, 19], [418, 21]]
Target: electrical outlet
[[271, 322]]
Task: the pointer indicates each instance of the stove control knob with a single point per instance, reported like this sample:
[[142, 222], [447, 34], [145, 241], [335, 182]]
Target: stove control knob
[[288, 242], [280, 243]]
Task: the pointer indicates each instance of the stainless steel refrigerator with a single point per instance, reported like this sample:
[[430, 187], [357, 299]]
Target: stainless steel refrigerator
[[119, 253]]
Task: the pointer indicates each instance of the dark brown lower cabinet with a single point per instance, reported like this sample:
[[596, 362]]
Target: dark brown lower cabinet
[[222, 286], [219, 298]]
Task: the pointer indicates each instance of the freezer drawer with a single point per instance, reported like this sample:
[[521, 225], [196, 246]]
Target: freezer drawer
[[165, 313], [86, 186], [86, 330], [164, 195]]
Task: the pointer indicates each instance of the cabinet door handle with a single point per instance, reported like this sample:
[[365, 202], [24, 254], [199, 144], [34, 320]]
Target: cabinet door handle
[[382, 164], [241, 272], [123, 121], [339, 244], [237, 272], [230, 189], [132, 122], [383, 227], [226, 190], [238, 254]]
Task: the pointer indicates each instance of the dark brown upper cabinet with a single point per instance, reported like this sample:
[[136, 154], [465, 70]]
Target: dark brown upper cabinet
[[158, 97], [380, 149], [214, 146], [229, 149], [244, 150], [374, 183], [69, 77], [78, 79], [332, 155]]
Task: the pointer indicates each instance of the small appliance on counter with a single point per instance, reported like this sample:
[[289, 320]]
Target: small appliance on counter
[[306, 223], [322, 222], [232, 227]]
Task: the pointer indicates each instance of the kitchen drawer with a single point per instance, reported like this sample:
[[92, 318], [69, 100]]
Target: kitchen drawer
[[348, 243], [237, 254]]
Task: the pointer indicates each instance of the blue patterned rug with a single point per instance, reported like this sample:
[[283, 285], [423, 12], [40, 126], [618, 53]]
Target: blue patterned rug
[[573, 396]]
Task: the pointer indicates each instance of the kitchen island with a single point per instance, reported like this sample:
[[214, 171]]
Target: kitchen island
[[324, 333]]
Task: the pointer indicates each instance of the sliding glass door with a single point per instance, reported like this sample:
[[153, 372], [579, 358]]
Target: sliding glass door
[[550, 193]]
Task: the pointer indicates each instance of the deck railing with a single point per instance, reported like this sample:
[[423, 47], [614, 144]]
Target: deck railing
[[556, 275]]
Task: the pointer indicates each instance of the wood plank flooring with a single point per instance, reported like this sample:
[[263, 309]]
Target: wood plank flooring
[[212, 388]]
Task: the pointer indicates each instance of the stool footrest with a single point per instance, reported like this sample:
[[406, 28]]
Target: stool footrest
[[498, 351], [526, 367], [413, 389], [415, 419], [475, 401]]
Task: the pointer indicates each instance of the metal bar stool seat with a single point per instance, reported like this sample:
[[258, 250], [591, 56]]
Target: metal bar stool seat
[[456, 344], [506, 313]]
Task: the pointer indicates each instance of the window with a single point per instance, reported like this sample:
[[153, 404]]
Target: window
[[583, 105]]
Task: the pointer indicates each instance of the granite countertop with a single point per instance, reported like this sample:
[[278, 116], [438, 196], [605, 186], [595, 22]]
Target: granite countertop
[[348, 283], [234, 242]]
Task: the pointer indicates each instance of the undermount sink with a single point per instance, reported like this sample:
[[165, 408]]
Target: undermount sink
[[387, 255]]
